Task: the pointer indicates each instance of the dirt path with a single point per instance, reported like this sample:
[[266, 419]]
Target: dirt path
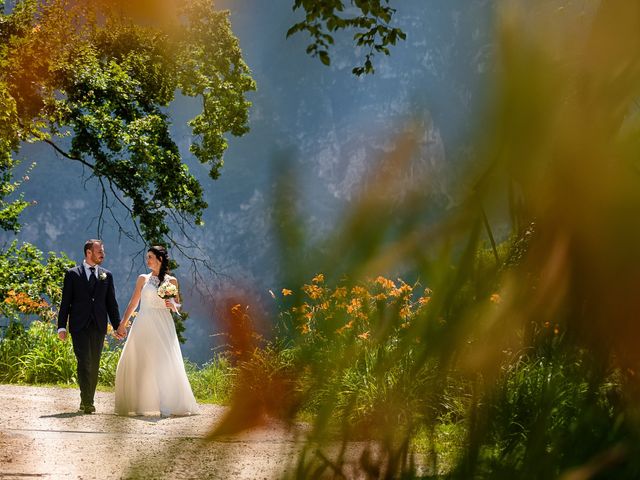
[[43, 436]]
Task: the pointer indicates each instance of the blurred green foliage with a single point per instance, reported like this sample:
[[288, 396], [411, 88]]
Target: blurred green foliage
[[528, 342]]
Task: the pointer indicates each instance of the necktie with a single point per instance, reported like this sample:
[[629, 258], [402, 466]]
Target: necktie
[[92, 277]]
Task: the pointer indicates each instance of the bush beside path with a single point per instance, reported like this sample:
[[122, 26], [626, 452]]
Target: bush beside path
[[43, 436]]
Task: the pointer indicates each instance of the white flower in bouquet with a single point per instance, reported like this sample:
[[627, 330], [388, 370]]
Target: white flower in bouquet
[[167, 290]]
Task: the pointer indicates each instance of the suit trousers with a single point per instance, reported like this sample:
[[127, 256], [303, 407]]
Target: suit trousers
[[87, 346]]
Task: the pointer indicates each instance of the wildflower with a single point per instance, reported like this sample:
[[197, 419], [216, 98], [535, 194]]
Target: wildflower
[[305, 328], [364, 335], [319, 278], [354, 306], [385, 283], [359, 291], [556, 329], [339, 292], [405, 287], [313, 291], [286, 292], [495, 298], [424, 300], [346, 326]]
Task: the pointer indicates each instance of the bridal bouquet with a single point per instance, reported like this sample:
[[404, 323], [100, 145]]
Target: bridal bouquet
[[168, 291]]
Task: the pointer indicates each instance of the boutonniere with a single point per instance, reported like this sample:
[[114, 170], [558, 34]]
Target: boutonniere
[[102, 276]]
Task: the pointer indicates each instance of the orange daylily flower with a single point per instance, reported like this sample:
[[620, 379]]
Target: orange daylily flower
[[385, 283], [345, 327], [354, 306], [424, 300], [313, 291], [339, 292]]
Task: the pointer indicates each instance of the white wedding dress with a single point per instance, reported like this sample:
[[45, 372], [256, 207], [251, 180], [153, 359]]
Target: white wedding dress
[[150, 378]]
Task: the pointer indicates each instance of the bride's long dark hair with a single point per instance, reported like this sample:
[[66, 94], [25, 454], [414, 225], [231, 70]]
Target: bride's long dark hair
[[161, 254]]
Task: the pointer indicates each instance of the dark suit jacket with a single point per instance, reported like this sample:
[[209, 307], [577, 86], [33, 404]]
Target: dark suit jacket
[[79, 304]]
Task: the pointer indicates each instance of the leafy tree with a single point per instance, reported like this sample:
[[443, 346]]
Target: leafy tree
[[10, 209], [93, 79], [372, 24], [29, 285]]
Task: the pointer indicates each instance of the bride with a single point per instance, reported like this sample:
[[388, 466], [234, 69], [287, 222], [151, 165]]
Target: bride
[[150, 378]]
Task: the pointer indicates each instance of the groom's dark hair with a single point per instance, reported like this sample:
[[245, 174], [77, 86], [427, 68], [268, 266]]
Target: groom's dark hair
[[88, 245]]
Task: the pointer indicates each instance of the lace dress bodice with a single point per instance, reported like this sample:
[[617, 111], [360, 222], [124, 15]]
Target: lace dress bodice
[[149, 296]]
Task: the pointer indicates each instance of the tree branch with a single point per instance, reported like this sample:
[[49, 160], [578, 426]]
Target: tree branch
[[69, 156]]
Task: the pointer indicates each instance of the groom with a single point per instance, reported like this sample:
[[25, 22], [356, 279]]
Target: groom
[[88, 296]]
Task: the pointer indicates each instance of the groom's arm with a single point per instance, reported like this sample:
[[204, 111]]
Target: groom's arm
[[112, 304], [65, 303]]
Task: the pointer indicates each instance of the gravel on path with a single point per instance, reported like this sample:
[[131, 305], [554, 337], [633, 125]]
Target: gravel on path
[[42, 435]]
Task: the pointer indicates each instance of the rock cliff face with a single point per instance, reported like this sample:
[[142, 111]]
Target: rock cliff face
[[330, 126]]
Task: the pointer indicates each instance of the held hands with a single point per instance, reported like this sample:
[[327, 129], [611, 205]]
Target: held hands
[[121, 332]]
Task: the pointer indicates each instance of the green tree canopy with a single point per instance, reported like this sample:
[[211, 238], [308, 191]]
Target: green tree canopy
[[371, 20], [103, 74]]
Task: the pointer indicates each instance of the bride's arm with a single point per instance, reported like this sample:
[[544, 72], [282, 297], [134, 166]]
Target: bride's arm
[[173, 303], [133, 303], [174, 280]]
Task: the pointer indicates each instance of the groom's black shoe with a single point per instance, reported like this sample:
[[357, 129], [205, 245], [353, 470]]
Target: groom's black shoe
[[87, 408]]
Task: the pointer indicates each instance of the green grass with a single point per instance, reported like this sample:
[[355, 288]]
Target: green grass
[[213, 382], [35, 356]]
